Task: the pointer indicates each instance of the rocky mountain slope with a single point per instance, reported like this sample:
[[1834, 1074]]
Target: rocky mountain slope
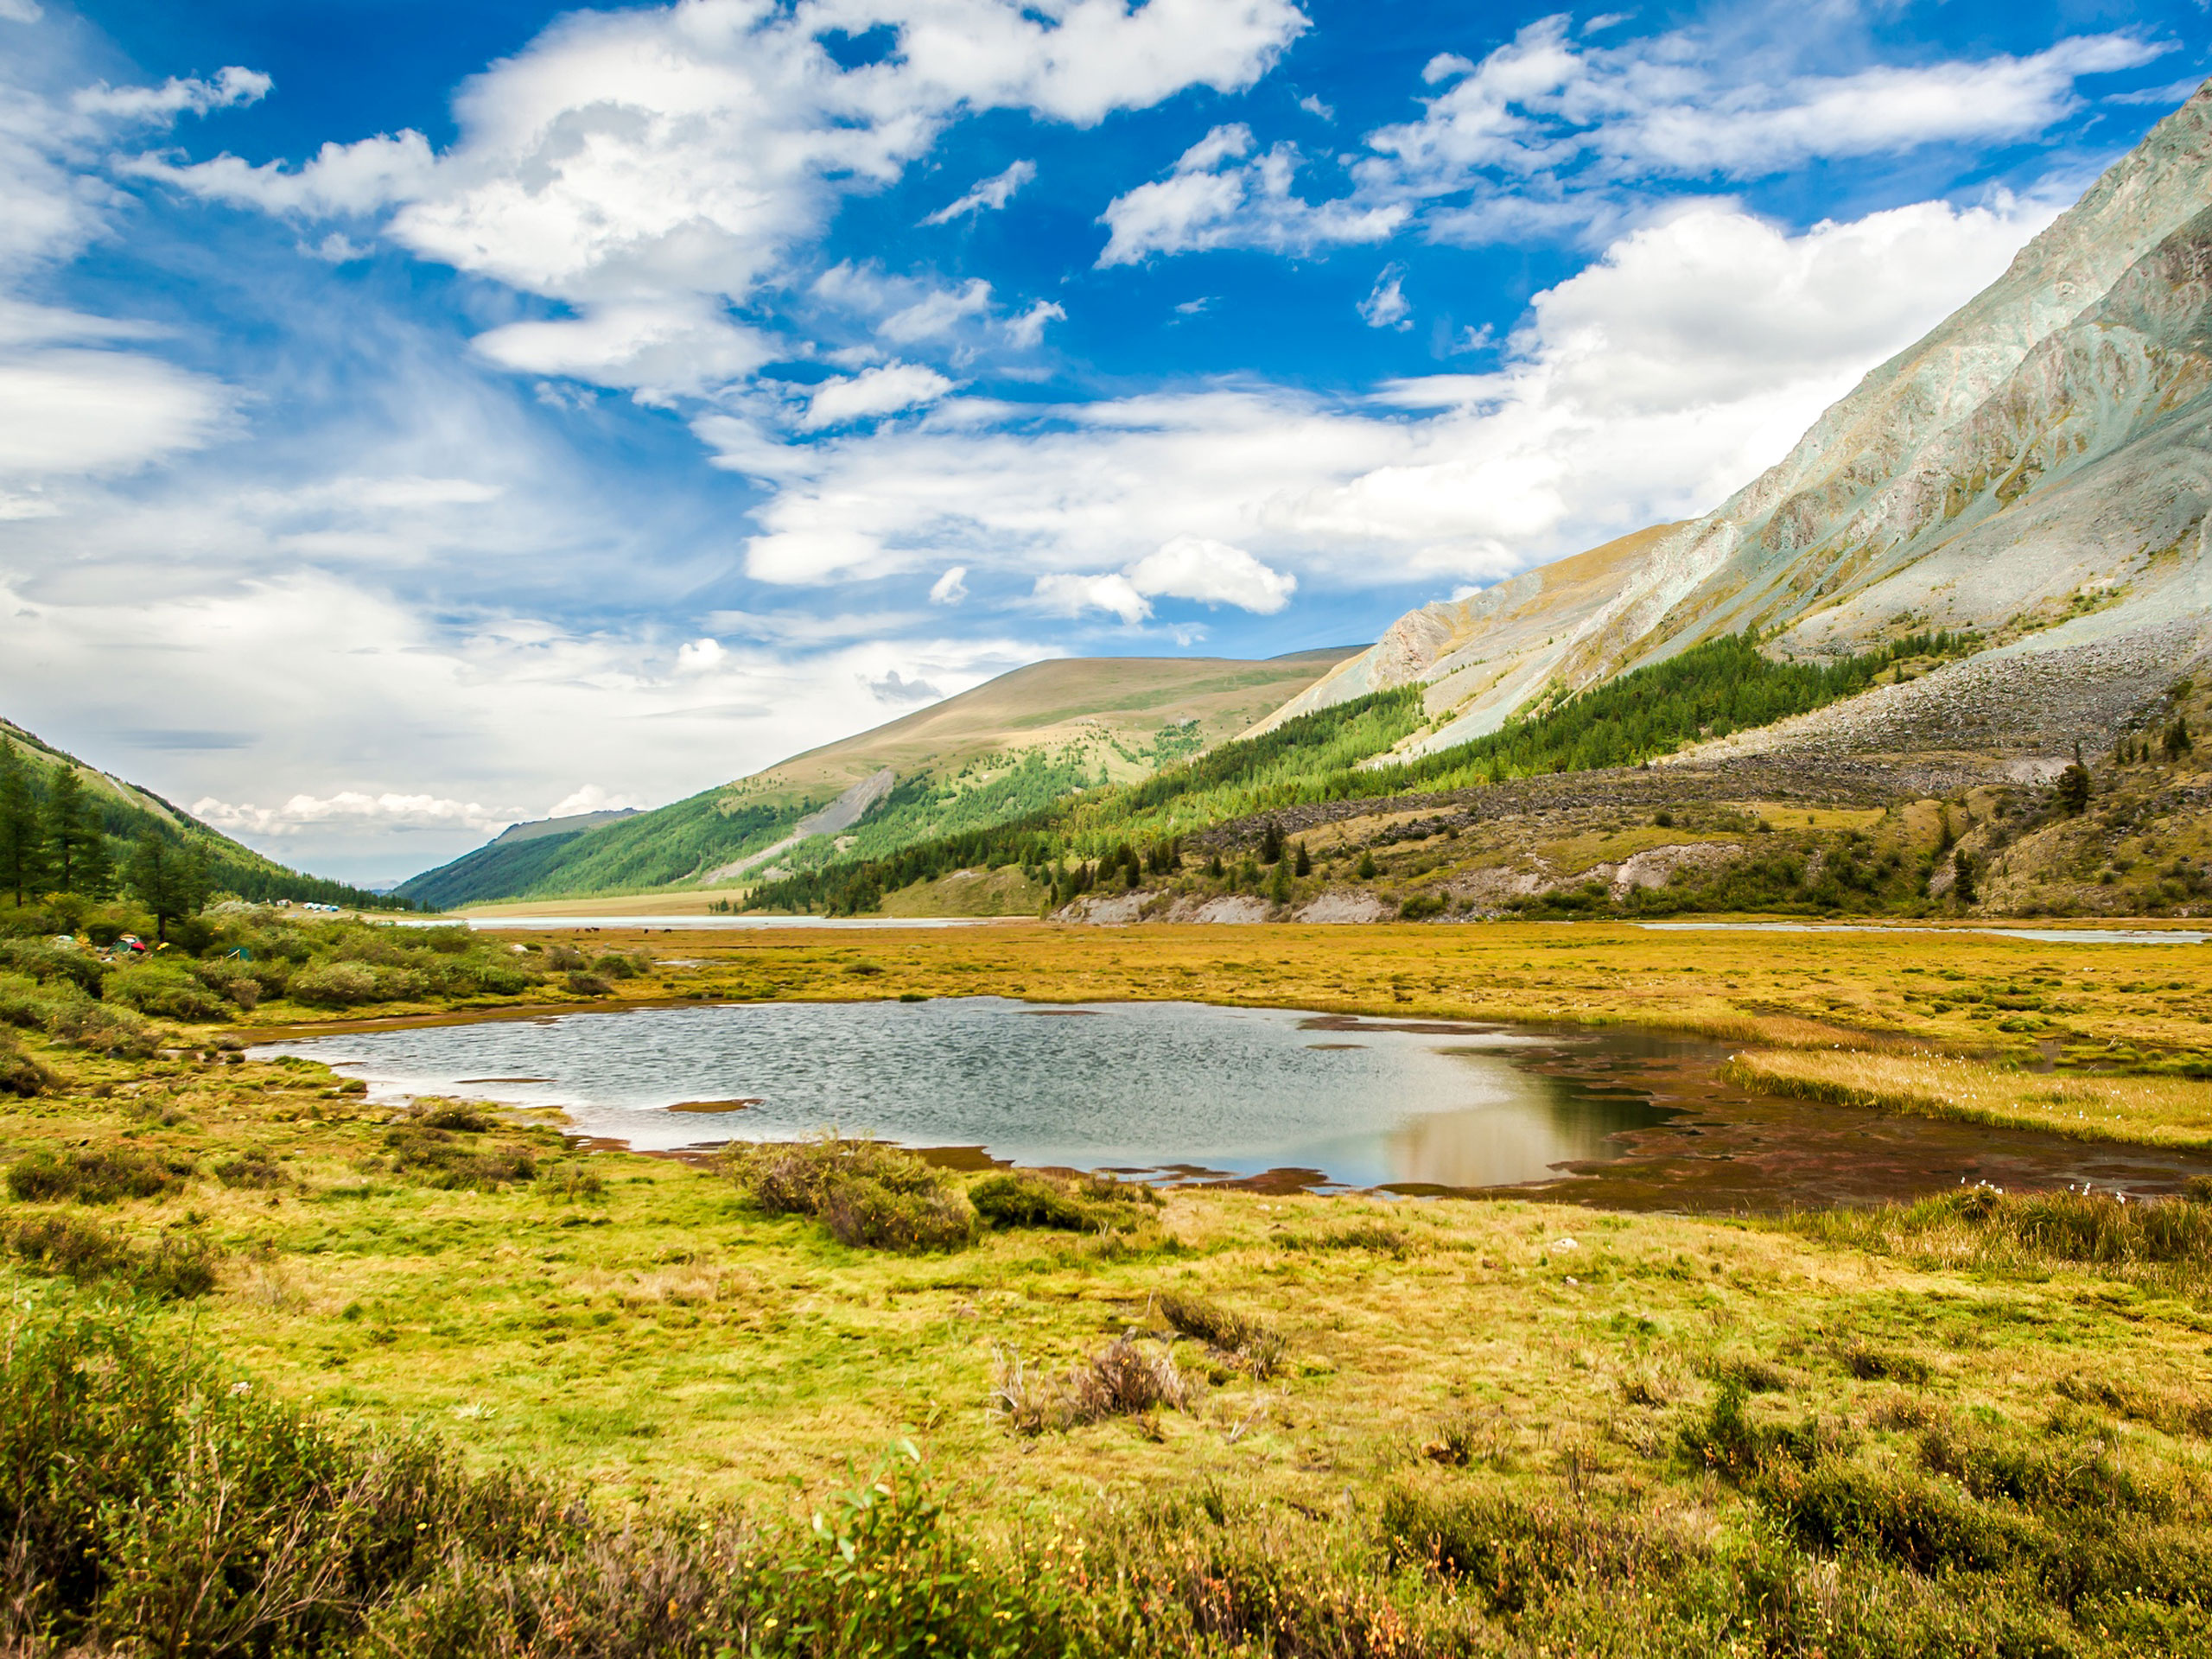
[[2036, 470]]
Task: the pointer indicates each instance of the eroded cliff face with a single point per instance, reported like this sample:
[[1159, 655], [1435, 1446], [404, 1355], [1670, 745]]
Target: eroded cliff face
[[2038, 468]]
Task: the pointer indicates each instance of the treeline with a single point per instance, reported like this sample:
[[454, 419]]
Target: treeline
[[1067, 843], [1712, 689], [58, 836]]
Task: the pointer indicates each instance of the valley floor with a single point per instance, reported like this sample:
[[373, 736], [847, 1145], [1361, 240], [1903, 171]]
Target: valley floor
[[1973, 1426]]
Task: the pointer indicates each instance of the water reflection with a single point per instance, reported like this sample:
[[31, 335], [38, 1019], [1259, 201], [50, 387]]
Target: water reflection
[[1185, 1092]]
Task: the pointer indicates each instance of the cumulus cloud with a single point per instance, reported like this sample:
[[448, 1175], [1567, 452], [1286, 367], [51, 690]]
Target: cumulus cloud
[[989, 196], [1064, 593], [699, 657], [668, 159], [1192, 566], [884, 391], [388, 811], [950, 587], [1551, 135], [1648, 386], [231, 88]]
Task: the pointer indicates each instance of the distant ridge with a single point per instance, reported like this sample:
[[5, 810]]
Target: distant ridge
[[1006, 747]]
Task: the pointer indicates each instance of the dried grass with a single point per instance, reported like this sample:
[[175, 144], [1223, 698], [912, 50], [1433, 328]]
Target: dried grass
[[1121, 1380]]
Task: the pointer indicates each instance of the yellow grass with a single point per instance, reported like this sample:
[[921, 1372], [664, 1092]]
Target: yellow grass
[[2156, 1111]]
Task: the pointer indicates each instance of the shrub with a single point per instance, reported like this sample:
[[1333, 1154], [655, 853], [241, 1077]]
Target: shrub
[[1421, 906], [102, 1028], [1260, 1346], [793, 1178], [176, 1269], [590, 985], [252, 1168], [1026, 1198], [166, 995], [158, 1503], [868, 1215], [333, 985], [440, 1159], [96, 1175], [1121, 1380], [20, 1074]]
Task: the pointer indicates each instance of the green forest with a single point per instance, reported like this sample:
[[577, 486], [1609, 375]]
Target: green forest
[[60, 835], [1711, 689]]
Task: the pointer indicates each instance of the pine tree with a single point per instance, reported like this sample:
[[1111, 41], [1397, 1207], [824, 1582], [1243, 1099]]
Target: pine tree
[[23, 844], [1279, 887], [1271, 845], [76, 849], [1366, 865], [169, 879], [2073, 785], [1305, 860]]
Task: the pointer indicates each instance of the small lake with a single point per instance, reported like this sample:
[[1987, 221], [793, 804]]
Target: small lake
[[1181, 1091]]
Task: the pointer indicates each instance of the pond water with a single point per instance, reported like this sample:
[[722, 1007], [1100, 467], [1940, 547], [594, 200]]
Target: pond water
[[1187, 1091]]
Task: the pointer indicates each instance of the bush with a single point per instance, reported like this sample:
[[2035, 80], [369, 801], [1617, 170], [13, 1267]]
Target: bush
[[333, 985], [96, 1175], [793, 1178], [158, 1503], [253, 1168], [174, 1270], [1121, 1380], [166, 995], [1020, 1199], [1258, 1345], [102, 1028], [20, 1074], [590, 985], [439, 1159], [1421, 906], [871, 1194], [866, 1214]]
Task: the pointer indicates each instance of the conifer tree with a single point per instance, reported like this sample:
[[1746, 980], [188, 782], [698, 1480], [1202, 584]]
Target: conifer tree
[[168, 879], [1271, 845], [22, 841], [1305, 860], [76, 849]]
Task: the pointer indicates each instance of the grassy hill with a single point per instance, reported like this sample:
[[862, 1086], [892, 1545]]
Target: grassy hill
[[126, 812], [1006, 750]]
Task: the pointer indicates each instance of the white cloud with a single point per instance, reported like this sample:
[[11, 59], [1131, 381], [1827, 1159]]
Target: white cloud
[[895, 690], [989, 196], [1386, 305], [389, 810], [1027, 331], [1314, 106], [20, 11], [1192, 566], [234, 86], [1068, 594], [950, 587], [591, 798], [884, 391], [71, 412], [699, 657], [1646, 387], [938, 313], [1554, 137], [1215, 197], [653, 163]]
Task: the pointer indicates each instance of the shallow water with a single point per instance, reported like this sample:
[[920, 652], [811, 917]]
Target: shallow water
[[1179, 1090]]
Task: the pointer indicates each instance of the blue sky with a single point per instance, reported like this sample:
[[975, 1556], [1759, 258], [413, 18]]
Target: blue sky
[[416, 416]]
